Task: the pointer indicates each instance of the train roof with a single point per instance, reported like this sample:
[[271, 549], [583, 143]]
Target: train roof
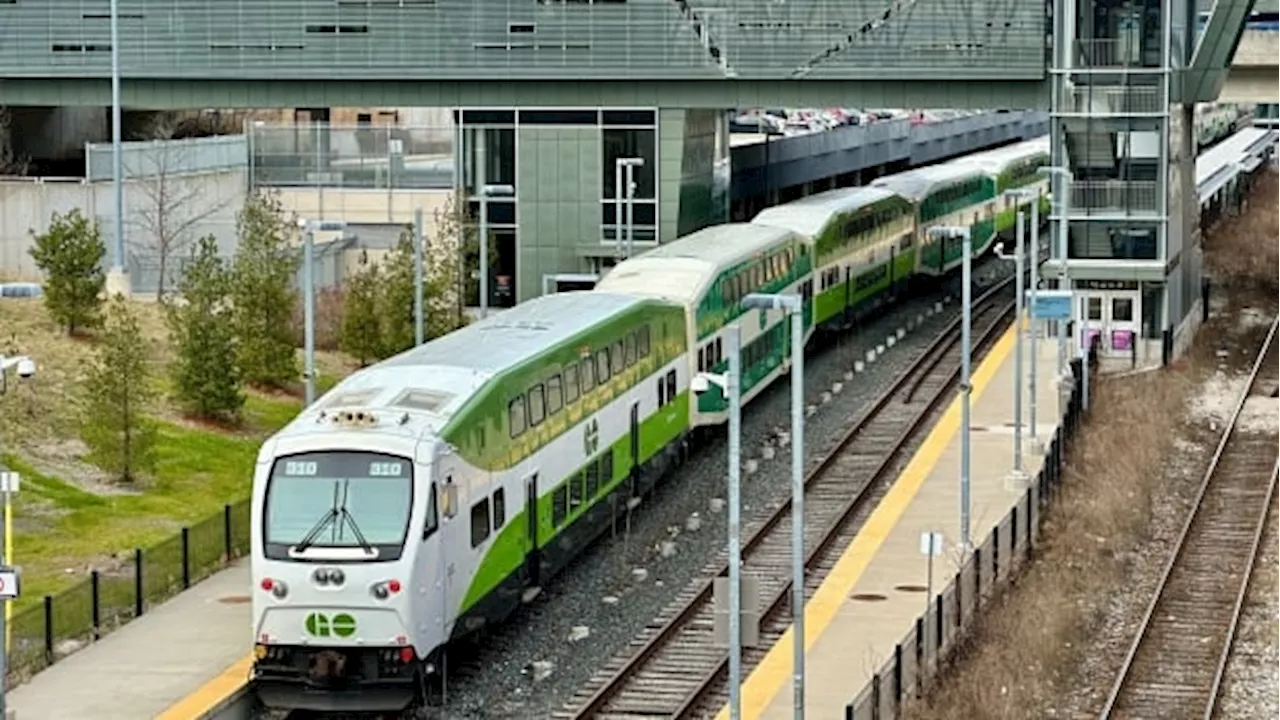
[[915, 185], [809, 215], [680, 270], [439, 376], [998, 160]]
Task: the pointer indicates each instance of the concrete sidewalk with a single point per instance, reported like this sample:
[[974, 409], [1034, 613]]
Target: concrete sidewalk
[[152, 663]]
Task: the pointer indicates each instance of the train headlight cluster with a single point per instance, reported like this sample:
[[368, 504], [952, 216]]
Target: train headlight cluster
[[385, 589], [329, 576], [276, 587]]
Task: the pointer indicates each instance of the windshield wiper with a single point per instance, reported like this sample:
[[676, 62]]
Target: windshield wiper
[[349, 518], [342, 516], [325, 520]]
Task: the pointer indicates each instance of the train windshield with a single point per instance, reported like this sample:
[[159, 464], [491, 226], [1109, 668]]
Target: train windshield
[[338, 506]]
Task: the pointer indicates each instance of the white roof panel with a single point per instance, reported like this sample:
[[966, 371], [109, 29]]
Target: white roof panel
[[915, 185], [808, 215]]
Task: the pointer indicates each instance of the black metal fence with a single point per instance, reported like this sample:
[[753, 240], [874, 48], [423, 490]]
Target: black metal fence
[[937, 633], [42, 634]]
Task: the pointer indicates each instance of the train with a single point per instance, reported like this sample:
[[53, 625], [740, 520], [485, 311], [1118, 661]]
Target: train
[[429, 495]]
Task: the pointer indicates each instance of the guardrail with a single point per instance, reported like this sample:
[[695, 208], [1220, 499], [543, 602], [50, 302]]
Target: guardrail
[[923, 652], [70, 619]]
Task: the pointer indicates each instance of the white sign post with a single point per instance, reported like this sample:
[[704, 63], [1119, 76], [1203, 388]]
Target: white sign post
[[931, 544]]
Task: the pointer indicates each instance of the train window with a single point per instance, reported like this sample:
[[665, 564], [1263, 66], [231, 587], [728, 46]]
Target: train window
[[479, 522], [588, 376], [515, 416], [555, 395], [642, 342], [430, 520], [449, 498], [575, 492], [615, 358], [602, 367], [570, 384], [592, 474], [559, 505], [537, 405], [606, 467], [726, 292], [662, 392], [702, 361], [671, 385], [499, 508], [719, 350], [629, 349]]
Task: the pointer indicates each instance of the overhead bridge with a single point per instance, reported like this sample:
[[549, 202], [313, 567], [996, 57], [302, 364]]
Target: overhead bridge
[[550, 53]]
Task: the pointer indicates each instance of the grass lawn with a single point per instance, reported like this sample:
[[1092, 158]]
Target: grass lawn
[[69, 517]]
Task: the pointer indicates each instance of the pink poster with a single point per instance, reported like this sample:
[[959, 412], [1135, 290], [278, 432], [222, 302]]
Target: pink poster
[[1122, 339]]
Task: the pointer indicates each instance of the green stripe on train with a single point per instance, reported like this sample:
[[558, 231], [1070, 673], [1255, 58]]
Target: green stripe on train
[[511, 545], [479, 429]]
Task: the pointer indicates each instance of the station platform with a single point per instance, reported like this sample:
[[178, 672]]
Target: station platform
[[176, 661], [848, 640]]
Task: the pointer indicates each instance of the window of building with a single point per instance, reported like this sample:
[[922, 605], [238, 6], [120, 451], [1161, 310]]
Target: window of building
[[627, 143], [479, 522]]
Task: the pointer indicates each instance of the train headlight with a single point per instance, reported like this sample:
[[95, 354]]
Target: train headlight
[[385, 589], [280, 590], [327, 576]]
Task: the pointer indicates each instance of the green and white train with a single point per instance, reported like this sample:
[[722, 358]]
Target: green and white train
[[430, 494]]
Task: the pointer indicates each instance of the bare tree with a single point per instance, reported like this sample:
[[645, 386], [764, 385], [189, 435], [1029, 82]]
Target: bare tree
[[10, 163], [171, 207]]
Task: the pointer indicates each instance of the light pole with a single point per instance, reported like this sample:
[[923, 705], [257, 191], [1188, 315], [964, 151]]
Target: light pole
[[1019, 473], [117, 162], [730, 382], [966, 391], [794, 306], [9, 581], [419, 329], [309, 228], [486, 192], [624, 175], [1063, 201]]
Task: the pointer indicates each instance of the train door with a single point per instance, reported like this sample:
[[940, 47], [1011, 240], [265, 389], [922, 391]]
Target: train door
[[532, 558], [635, 437]]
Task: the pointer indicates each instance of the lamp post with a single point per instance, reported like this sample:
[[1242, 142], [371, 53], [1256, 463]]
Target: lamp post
[[730, 382], [309, 228], [486, 192], [1018, 474], [117, 170], [9, 588], [419, 325], [966, 326], [1034, 321], [1063, 198], [624, 175], [794, 306]]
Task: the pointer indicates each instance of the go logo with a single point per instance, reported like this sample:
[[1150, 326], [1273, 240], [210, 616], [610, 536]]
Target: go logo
[[591, 437], [321, 625]]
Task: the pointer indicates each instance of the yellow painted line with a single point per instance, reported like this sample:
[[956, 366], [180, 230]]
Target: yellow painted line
[[212, 694], [768, 677]]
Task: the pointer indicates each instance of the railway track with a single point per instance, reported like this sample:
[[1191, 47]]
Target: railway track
[[673, 669], [1175, 665]]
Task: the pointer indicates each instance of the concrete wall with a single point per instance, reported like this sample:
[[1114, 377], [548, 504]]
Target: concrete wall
[[27, 204]]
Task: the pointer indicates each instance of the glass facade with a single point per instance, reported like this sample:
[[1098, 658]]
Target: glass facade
[[565, 216]]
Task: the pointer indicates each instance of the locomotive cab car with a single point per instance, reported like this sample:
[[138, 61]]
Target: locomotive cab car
[[430, 494]]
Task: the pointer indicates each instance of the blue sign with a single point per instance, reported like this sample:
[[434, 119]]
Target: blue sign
[[1052, 304]]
